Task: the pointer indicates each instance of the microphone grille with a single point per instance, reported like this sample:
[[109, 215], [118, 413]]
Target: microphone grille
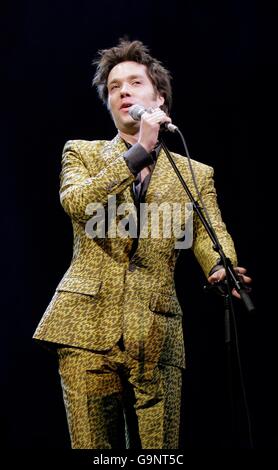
[[136, 111]]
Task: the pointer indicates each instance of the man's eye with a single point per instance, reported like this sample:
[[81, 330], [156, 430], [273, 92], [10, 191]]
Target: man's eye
[[114, 86], [136, 82]]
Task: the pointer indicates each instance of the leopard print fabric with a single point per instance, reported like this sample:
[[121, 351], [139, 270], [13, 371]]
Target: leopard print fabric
[[114, 401], [106, 294]]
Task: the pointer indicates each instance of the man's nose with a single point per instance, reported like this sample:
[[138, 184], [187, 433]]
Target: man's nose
[[125, 89]]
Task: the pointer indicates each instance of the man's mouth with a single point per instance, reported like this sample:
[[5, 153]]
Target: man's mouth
[[125, 106]]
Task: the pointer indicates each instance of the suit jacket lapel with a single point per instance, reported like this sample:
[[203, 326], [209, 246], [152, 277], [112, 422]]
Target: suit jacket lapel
[[163, 184], [112, 150]]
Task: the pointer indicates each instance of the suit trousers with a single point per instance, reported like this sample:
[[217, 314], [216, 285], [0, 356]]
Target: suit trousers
[[113, 401]]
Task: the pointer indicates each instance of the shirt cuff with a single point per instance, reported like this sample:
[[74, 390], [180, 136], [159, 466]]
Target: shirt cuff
[[216, 267], [137, 158]]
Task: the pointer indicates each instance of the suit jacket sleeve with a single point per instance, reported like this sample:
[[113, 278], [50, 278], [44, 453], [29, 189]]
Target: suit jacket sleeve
[[202, 245], [78, 188]]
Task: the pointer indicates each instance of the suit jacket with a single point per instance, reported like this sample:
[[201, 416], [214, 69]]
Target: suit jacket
[[105, 293]]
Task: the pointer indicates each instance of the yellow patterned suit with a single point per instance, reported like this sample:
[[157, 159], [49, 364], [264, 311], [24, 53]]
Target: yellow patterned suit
[[106, 294]]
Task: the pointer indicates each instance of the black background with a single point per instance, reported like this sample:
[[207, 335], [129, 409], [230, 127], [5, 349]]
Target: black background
[[216, 54]]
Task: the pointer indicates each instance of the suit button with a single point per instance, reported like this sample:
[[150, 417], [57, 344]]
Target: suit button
[[132, 267]]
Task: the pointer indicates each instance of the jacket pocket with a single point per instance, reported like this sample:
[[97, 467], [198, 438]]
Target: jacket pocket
[[165, 304], [79, 285]]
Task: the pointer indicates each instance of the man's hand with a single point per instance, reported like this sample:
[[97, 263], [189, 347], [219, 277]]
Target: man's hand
[[220, 275], [149, 127]]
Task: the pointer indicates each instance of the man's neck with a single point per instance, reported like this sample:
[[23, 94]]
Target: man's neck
[[131, 139]]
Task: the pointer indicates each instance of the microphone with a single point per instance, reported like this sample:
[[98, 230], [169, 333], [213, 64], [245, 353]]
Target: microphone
[[136, 111]]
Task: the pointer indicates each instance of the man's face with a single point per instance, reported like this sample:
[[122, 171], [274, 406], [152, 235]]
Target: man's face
[[128, 84]]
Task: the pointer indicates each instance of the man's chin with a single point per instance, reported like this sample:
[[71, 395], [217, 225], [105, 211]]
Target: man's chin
[[128, 127]]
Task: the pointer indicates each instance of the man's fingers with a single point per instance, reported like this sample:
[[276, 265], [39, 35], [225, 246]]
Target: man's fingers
[[245, 279], [240, 270], [157, 116], [220, 275]]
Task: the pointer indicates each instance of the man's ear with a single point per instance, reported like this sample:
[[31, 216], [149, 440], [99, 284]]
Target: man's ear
[[161, 100]]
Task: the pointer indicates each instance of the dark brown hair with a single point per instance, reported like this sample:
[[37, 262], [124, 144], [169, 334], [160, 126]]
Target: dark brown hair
[[134, 51]]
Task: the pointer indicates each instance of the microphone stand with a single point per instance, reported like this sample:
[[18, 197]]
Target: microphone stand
[[232, 278], [232, 281]]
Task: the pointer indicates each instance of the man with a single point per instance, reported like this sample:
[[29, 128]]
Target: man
[[114, 319]]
